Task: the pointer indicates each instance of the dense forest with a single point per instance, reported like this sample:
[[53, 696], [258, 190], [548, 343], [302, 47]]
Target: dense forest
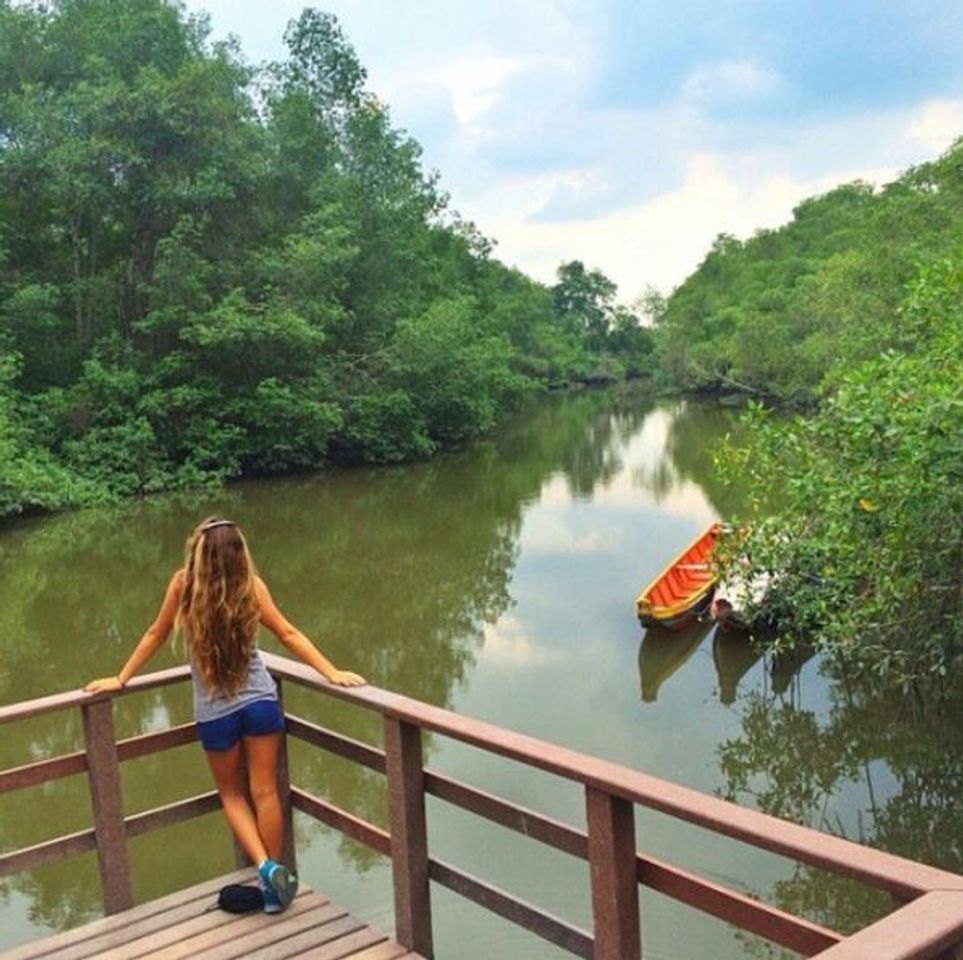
[[854, 311], [781, 314], [210, 270]]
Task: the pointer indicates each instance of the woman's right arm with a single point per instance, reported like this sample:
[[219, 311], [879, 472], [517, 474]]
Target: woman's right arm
[[152, 640]]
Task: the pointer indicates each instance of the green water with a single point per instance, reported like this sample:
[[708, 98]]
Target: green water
[[497, 581]]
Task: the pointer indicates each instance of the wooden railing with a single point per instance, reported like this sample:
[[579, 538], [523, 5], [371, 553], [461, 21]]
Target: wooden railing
[[927, 921]]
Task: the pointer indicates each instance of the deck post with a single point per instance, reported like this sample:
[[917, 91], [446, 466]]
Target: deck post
[[612, 867], [289, 853], [409, 835], [107, 805]]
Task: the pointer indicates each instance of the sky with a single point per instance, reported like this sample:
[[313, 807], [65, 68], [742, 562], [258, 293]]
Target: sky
[[629, 133]]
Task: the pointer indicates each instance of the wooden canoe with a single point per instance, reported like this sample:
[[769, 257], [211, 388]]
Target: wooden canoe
[[683, 590]]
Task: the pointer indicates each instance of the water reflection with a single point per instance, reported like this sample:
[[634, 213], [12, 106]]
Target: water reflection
[[398, 573], [663, 651], [734, 653], [499, 581], [874, 767]]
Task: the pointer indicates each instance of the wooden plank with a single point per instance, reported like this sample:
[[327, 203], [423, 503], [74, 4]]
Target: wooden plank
[[157, 741], [748, 914], [47, 852], [51, 945], [31, 774], [389, 950], [286, 934], [743, 912], [202, 932], [905, 878], [527, 822], [347, 823], [542, 924], [312, 939], [409, 835], [615, 896], [107, 805], [172, 813], [143, 930], [921, 930], [346, 946], [336, 743], [84, 840]]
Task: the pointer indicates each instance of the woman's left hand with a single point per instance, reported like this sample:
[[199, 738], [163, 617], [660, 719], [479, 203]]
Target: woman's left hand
[[345, 678], [104, 685]]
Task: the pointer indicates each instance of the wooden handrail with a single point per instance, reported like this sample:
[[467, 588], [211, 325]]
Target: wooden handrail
[[745, 912], [77, 698], [929, 925], [903, 878]]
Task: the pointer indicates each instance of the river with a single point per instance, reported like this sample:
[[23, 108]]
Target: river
[[497, 581]]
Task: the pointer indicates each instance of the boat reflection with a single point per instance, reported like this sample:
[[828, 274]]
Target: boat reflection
[[786, 666], [734, 652], [664, 651]]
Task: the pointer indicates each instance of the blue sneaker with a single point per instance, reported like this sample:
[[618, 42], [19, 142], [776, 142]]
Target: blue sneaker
[[271, 902], [277, 885]]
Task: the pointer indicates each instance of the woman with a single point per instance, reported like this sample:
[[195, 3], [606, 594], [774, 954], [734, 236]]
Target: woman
[[217, 600]]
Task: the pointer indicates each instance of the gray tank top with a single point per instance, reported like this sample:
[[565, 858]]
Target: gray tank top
[[259, 685]]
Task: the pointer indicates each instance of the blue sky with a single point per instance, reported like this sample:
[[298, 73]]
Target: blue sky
[[628, 134]]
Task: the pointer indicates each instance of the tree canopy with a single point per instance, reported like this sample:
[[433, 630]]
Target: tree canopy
[[781, 314], [209, 270], [854, 309]]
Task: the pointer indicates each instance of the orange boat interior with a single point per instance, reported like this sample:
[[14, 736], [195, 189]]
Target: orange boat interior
[[688, 575]]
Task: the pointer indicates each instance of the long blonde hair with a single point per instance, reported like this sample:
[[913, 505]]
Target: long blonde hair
[[218, 610]]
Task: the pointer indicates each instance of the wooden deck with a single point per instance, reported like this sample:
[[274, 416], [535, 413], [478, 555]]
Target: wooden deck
[[926, 922], [187, 924]]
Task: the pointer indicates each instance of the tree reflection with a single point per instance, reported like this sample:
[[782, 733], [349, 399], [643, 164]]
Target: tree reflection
[[903, 757], [692, 434]]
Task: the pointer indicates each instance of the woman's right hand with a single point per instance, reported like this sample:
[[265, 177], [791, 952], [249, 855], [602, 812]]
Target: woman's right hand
[[104, 685]]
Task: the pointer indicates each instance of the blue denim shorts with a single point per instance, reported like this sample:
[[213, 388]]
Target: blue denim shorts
[[252, 720]]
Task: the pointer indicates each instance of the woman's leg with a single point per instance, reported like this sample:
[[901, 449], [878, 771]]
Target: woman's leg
[[227, 769], [262, 769]]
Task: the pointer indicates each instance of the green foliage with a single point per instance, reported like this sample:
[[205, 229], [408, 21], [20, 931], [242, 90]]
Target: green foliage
[[208, 270], [585, 301], [30, 477], [780, 314], [458, 376], [868, 537]]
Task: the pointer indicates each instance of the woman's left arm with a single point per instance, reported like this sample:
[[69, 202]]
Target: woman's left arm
[[152, 640], [298, 643]]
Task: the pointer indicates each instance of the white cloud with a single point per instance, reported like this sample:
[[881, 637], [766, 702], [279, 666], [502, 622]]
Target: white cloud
[[730, 80], [658, 241], [507, 643], [937, 124], [508, 101], [661, 239], [474, 83], [546, 533]]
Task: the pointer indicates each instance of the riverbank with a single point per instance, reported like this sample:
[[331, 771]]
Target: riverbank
[[80, 492]]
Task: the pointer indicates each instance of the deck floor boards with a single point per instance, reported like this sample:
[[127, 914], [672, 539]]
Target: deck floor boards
[[187, 923]]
